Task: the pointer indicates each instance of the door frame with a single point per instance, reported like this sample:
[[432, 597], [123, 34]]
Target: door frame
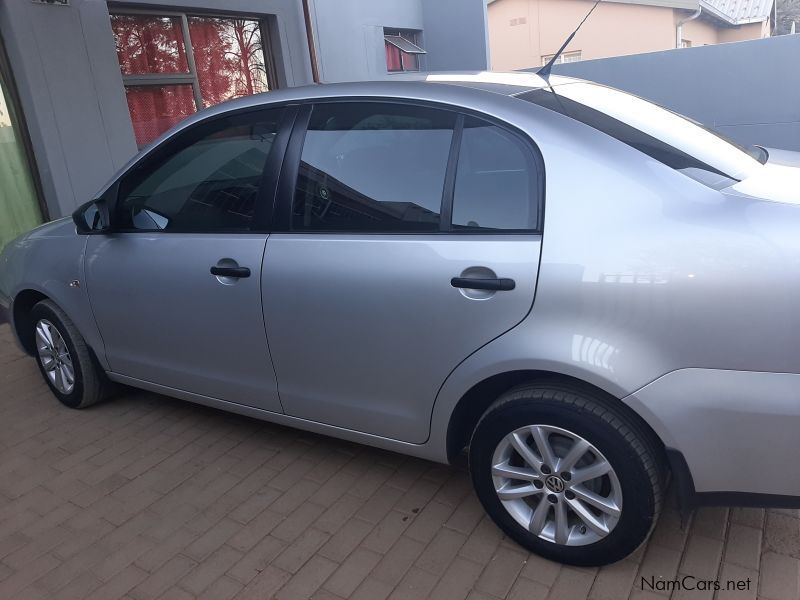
[[21, 128], [265, 201]]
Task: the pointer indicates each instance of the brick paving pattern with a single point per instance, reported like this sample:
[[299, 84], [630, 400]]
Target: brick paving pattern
[[148, 497]]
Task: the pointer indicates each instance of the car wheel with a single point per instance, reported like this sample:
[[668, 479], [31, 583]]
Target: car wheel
[[566, 474], [64, 359]]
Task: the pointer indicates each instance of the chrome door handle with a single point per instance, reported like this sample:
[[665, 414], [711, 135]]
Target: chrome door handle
[[471, 283]]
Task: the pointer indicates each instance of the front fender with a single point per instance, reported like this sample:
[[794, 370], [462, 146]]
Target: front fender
[[49, 261]]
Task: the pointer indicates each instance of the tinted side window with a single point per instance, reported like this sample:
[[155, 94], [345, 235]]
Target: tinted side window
[[643, 142], [205, 180], [496, 180], [373, 167]]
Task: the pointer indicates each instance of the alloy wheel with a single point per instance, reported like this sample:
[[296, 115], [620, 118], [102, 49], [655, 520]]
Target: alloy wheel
[[55, 357], [557, 485]]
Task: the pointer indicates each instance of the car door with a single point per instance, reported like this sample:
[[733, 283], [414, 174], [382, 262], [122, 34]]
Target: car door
[[410, 239], [175, 288]]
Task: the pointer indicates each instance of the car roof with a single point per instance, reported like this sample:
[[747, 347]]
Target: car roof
[[469, 87], [505, 83]]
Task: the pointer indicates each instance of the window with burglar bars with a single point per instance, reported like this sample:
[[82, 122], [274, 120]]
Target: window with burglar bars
[[566, 57], [174, 64]]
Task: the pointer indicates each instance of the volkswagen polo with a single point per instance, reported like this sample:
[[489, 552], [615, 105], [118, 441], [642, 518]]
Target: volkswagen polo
[[590, 293]]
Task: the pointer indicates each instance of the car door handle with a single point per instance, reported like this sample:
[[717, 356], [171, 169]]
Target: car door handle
[[237, 272], [471, 283]]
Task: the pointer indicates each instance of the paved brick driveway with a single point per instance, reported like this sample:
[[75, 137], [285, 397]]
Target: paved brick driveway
[[148, 497]]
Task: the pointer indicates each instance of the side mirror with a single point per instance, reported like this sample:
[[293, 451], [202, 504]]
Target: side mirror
[[92, 218]]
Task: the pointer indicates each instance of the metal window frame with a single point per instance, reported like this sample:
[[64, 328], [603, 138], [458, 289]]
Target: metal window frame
[[397, 42], [191, 78]]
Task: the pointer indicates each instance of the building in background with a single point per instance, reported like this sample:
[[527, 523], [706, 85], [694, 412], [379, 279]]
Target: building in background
[[84, 84], [526, 33]]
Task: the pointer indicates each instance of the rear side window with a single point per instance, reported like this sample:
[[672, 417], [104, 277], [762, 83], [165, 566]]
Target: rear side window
[[373, 167], [496, 178], [205, 180], [667, 137]]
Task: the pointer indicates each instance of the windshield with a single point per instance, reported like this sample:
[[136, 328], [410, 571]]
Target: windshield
[[662, 134]]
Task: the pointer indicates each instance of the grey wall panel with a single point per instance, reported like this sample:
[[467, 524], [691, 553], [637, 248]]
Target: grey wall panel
[[749, 90], [349, 35], [456, 36]]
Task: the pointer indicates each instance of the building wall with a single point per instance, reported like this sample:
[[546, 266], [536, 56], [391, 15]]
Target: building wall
[[751, 31], [69, 82], [521, 32], [704, 32], [349, 35], [701, 32], [456, 36], [759, 105]]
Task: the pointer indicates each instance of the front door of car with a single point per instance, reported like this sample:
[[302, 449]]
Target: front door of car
[[175, 288], [410, 239]]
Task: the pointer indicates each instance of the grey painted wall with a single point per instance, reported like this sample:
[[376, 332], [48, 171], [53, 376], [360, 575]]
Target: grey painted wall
[[69, 82], [749, 91], [456, 35], [349, 35]]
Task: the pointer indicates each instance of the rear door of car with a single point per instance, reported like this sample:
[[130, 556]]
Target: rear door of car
[[406, 236]]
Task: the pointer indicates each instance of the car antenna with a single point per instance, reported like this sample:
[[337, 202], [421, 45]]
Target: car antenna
[[544, 72]]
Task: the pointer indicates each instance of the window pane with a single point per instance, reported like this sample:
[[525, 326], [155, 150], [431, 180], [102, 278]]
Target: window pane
[[655, 146], [149, 44], [372, 167], [662, 124], [229, 55], [155, 108], [205, 180], [494, 180], [410, 62]]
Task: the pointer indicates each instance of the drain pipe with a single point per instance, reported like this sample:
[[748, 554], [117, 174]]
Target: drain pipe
[[312, 47], [679, 29]]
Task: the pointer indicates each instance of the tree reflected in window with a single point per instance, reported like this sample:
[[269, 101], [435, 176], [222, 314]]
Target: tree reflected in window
[[229, 56], [173, 65]]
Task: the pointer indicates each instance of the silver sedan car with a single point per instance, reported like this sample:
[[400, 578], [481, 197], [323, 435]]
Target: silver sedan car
[[588, 292]]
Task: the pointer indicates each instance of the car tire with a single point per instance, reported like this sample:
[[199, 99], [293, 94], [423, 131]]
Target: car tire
[[60, 349], [552, 509]]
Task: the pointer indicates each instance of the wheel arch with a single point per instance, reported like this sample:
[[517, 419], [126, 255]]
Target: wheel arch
[[21, 308], [473, 404]]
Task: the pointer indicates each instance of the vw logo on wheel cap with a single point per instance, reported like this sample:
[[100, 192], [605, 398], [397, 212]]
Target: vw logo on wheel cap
[[554, 484]]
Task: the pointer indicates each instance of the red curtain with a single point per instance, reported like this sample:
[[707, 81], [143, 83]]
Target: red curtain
[[394, 59], [410, 62], [154, 109]]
